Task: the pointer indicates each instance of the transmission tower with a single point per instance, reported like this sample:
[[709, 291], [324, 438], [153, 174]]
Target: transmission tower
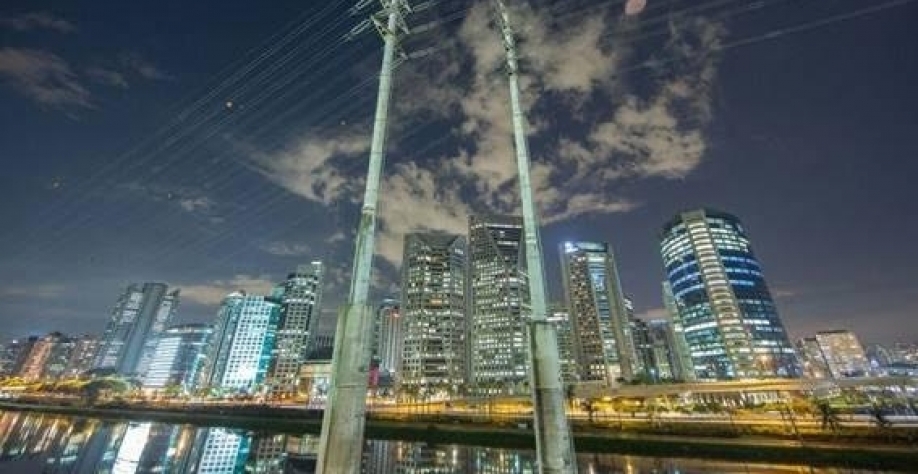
[[554, 445], [341, 442]]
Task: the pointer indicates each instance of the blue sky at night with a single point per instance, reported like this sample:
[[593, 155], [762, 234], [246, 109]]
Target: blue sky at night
[[216, 145]]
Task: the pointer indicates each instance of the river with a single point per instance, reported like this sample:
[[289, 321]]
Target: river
[[47, 443]]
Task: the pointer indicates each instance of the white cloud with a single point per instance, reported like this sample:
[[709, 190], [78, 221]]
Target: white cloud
[[196, 204], [136, 64], [35, 21], [42, 291], [659, 134], [307, 168], [286, 249], [107, 77], [43, 77], [338, 236], [213, 292], [653, 313]]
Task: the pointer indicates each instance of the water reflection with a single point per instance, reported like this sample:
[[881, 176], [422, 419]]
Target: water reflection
[[41, 443]]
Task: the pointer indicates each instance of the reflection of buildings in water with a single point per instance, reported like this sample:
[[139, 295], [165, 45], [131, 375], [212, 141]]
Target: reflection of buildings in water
[[268, 454], [154, 447], [378, 457], [423, 458], [502, 461], [221, 451]]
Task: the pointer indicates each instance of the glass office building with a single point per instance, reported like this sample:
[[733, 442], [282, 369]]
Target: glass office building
[[433, 307], [728, 317]]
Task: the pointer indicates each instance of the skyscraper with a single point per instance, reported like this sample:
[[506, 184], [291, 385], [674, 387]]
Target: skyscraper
[[83, 356], [560, 317], [683, 366], [14, 355], [811, 359], [179, 357], [602, 337], [47, 358], [433, 307], [390, 337], [843, 353], [139, 317], [498, 305], [238, 357], [729, 319], [301, 300]]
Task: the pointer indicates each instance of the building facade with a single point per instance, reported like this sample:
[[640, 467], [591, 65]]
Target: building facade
[[498, 306], [141, 314], [812, 362], [47, 358], [83, 356], [15, 353], [843, 354], [603, 344], [560, 318], [179, 358], [242, 345], [301, 299], [433, 306], [726, 311]]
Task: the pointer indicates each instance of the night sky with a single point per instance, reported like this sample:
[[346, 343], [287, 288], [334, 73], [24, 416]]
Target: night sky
[[216, 145]]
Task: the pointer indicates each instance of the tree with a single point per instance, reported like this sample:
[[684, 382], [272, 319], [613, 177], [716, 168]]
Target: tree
[[879, 417], [829, 416]]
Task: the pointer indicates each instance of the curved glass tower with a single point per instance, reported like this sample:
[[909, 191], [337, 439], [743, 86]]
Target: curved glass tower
[[729, 319]]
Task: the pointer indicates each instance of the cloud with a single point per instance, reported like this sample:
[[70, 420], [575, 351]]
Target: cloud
[[37, 21], [286, 249], [338, 236], [107, 77], [308, 168], [188, 199], [43, 77], [196, 204], [213, 292], [136, 64], [589, 131], [43, 291], [653, 313]]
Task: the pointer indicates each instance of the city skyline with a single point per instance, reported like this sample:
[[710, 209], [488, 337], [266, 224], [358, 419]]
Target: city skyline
[[823, 191]]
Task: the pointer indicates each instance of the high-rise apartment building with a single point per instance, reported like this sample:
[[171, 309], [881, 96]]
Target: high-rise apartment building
[[242, 344], [47, 358], [15, 353], [179, 358], [138, 318], [389, 337], [498, 305], [301, 299], [83, 356], [728, 316], [843, 354], [603, 344], [433, 306], [813, 363]]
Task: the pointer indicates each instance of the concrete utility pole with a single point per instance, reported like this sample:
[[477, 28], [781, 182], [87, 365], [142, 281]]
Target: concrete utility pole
[[341, 442], [554, 445]]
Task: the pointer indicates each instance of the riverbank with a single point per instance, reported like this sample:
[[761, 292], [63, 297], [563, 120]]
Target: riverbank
[[688, 441]]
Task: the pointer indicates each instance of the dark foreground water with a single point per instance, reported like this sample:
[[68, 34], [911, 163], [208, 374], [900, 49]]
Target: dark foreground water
[[44, 443]]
